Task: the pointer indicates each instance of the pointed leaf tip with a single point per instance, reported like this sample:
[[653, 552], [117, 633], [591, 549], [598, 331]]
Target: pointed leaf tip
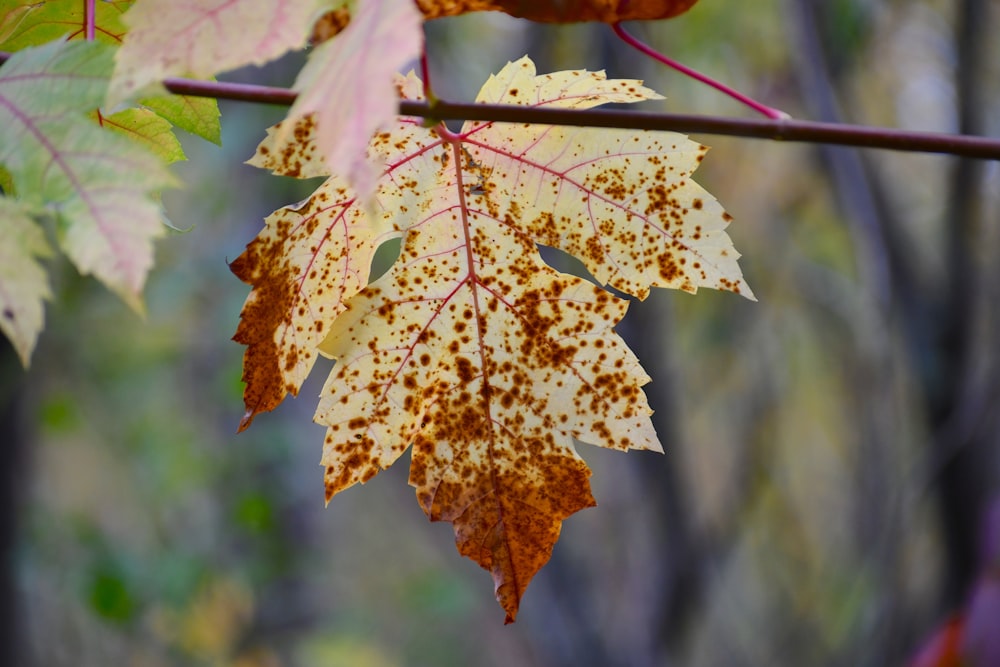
[[246, 420]]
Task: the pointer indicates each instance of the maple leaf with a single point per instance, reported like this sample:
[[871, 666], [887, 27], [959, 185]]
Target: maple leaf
[[99, 186], [562, 11], [470, 349], [170, 38], [23, 284]]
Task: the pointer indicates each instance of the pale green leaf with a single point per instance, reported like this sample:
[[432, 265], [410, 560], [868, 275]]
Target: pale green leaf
[[23, 282], [101, 187], [26, 23]]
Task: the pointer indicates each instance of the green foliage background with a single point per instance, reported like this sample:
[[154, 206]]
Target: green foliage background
[[793, 521]]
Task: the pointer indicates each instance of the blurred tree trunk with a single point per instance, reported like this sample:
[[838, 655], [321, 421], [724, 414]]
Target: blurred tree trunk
[[938, 321], [12, 437], [881, 253], [963, 441], [678, 547]]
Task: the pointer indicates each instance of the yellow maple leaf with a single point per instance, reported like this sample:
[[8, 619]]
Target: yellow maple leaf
[[470, 349]]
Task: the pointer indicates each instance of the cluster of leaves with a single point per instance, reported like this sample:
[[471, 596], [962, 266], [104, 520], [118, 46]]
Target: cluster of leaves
[[96, 176], [470, 350]]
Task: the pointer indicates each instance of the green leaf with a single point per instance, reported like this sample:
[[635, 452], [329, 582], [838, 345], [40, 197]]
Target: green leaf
[[256, 513], [25, 23], [109, 595], [197, 115], [101, 187], [6, 182], [23, 282], [146, 128]]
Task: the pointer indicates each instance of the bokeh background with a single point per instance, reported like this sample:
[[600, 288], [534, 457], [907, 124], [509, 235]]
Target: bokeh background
[[831, 450]]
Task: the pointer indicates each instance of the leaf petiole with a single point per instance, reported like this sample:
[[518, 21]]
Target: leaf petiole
[[90, 20], [432, 101]]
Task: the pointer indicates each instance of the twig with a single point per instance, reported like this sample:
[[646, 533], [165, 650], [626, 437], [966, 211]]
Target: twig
[[987, 148], [238, 92], [778, 130]]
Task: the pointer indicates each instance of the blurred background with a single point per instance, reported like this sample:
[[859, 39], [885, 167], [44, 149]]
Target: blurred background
[[831, 450]]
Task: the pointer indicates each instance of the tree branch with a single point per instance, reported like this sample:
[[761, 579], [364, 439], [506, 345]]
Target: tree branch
[[987, 148], [778, 130]]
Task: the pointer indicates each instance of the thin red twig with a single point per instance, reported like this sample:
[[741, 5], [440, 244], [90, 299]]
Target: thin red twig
[[770, 112], [425, 71]]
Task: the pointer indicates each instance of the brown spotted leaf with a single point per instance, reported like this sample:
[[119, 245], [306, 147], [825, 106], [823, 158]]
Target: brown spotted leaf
[[307, 261], [489, 363], [470, 349]]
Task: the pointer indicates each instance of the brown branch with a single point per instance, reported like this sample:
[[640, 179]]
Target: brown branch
[[987, 148], [238, 92], [778, 130]]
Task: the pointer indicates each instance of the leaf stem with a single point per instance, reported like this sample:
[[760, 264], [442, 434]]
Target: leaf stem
[[90, 20], [625, 36], [432, 100], [425, 73]]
